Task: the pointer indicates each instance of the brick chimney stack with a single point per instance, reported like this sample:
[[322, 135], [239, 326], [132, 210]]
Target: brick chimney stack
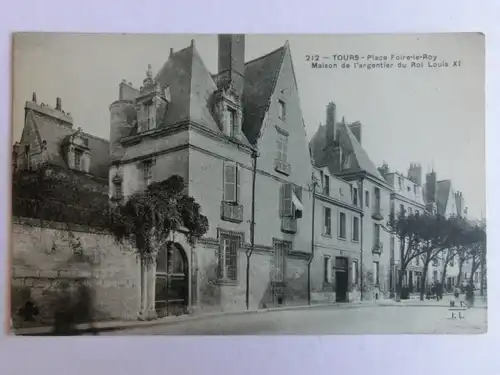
[[331, 123], [232, 61], [33, 99], [58, 104]]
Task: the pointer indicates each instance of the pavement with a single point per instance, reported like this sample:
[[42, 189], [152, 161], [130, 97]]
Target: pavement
[[383, 317], [370, 317]]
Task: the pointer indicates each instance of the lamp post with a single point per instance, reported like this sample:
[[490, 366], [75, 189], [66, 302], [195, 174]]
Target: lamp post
[[313, 186]]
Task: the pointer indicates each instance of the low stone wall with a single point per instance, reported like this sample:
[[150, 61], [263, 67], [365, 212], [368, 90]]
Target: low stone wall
[[53, 263]]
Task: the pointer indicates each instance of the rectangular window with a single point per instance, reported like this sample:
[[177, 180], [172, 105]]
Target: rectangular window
[[401, 210], [355, 272], [233, 124], [326, 185], [376, 192], [228, 260], [376, 273], [282, 144], [147, 170], [476, 277], [78, 159], [355, 229], [327, 261], [355, 196], [342, 225], [367, 198], [327, 221], [435, 262], [435, 275], [231, 182], [282, 110], [280, 249], [417, 260]]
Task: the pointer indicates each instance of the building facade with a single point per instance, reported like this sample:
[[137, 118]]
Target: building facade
[[407, 198], [337, 145], [337, 240]]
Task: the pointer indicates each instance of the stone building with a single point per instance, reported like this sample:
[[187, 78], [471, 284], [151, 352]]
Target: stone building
[[337, 240], [211, 129], [337, 145], [407, 198]]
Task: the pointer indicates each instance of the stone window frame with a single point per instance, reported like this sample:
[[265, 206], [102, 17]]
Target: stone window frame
[[282, 145], [327, 233], [223, 234], [281, 109], [286, 248], [236, 184], [355, 231], [342, 234]]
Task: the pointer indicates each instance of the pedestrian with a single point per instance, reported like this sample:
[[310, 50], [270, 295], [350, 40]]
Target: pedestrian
[[469, 294]]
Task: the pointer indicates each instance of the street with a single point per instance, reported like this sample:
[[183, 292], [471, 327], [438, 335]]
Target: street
[[371, 319]]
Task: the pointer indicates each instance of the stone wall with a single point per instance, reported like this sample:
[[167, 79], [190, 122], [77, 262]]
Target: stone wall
[[48, 258]]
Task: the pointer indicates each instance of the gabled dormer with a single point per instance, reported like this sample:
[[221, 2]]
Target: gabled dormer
[[227, 108], [152, 103], [78, 153]]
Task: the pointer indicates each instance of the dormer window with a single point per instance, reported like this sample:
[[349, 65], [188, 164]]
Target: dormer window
[[233, 123], [282, 110], [147, 117]]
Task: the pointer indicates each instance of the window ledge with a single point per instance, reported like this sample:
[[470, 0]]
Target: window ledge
[[342, 238], [227, 282]]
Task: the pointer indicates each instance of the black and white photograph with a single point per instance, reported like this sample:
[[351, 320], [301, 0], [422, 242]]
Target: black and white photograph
[[231, 184]]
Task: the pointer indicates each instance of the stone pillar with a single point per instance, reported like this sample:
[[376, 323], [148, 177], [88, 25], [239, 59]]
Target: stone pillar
[[151, 282], [144, 291]]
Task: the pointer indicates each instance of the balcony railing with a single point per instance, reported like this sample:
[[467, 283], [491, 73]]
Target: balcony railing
[[282, 166], [378, 247], [231, 211], [288, 224], [377, 212]]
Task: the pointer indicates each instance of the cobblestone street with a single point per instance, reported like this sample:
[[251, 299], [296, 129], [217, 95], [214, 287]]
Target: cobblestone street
[[419, 317]]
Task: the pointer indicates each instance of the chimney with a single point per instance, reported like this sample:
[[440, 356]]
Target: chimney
[[232, 61], [331, 123], [58, 104], [355, 128], [415, 173], [33, 99], [171, 52], [430, 187]]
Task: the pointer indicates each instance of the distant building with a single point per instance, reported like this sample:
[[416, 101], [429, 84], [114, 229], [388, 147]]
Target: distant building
[[407, 199]]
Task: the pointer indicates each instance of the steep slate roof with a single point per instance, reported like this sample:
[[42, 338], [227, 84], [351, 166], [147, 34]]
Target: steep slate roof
[[260, 79], [355, 158], [191, 86], [443, 195], [47, 129]]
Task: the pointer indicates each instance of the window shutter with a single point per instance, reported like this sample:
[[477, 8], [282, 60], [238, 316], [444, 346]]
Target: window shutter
[[229, 182], [238, 184]]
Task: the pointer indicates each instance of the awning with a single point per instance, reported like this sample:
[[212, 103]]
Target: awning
[[298, 205]]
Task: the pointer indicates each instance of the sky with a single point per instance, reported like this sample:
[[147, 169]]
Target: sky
[[433, 116]]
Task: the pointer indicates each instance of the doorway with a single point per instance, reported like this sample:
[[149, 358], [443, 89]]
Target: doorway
[[172, 278], [341, 279]]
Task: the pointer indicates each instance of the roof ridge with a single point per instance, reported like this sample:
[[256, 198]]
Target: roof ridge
[[264, 56]]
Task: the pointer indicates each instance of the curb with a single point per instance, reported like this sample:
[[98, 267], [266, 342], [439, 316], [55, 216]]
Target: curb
[[123, 325]]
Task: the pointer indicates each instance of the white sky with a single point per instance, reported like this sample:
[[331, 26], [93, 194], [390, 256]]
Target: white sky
[[431, 116]]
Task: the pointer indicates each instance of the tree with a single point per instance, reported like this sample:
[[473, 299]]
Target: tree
[[148, 218], [404, 228], [433, 235]]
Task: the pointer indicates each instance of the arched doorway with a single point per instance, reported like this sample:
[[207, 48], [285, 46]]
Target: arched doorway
[[172, 281]]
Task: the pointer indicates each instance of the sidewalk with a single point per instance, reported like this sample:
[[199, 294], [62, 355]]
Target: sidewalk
[[122, 325]]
